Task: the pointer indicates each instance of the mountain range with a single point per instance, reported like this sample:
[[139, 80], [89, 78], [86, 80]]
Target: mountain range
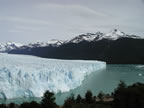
[[6, 47], [115, 47]]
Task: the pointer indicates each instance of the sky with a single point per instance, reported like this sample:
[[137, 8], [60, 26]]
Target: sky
[[25, 21]]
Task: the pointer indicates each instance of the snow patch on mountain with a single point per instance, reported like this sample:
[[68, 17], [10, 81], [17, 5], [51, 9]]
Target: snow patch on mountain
[[85, 37], [53, 42], [114, 35]]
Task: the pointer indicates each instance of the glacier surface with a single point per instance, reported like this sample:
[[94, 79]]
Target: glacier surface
[[29, 76]]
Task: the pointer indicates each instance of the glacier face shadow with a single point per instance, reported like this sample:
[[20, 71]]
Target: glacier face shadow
[[24, 76]]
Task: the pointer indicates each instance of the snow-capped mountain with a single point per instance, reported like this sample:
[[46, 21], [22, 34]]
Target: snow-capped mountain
[[5, 47], [89, 37], [113, 47], [52, 42], [113, 35], [116, 34], [55, 42], [85, 37]]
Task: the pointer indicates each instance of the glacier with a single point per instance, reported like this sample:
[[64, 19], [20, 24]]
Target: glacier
[[30, 76]]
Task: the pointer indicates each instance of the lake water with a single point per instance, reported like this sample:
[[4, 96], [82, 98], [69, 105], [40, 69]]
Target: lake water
[[104, 80], [107, 80]]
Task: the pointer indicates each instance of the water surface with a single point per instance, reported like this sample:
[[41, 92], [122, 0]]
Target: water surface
[[107, 80]]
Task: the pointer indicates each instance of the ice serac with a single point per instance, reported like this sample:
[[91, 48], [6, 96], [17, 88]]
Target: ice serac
[[29, 76]]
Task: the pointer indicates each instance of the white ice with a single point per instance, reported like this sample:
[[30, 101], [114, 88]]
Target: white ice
[[29, 76]]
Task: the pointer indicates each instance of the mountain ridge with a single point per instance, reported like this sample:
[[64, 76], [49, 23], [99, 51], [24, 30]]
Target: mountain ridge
[[114, 47], [6, 47], [113, 35]]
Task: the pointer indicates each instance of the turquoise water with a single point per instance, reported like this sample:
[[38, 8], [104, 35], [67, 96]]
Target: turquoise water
[[107, 80], [104, 80]]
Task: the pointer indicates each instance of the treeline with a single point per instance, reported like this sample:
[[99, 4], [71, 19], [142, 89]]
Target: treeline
[[123, 97]]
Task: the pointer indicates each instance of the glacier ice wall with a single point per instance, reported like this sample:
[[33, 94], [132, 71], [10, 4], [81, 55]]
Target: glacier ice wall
[[29, 76]]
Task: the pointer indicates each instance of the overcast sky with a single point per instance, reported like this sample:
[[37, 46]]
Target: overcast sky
[[27, 21]]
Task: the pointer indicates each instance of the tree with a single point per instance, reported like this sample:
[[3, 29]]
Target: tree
[[101, 95], [25, 105], [69, 102], [34, 104], [122, 85], [3, 106], [78, 99], [12, 105], [89, 96], [48, 100], [129, 97]]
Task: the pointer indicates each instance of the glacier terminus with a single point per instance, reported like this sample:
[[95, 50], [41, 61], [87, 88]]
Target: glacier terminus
[[30, 76]]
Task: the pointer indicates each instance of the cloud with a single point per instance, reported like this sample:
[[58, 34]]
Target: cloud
[[24, 20], [45, 20], [14, 31], [22, 28], [29, 28], [70, 9]]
